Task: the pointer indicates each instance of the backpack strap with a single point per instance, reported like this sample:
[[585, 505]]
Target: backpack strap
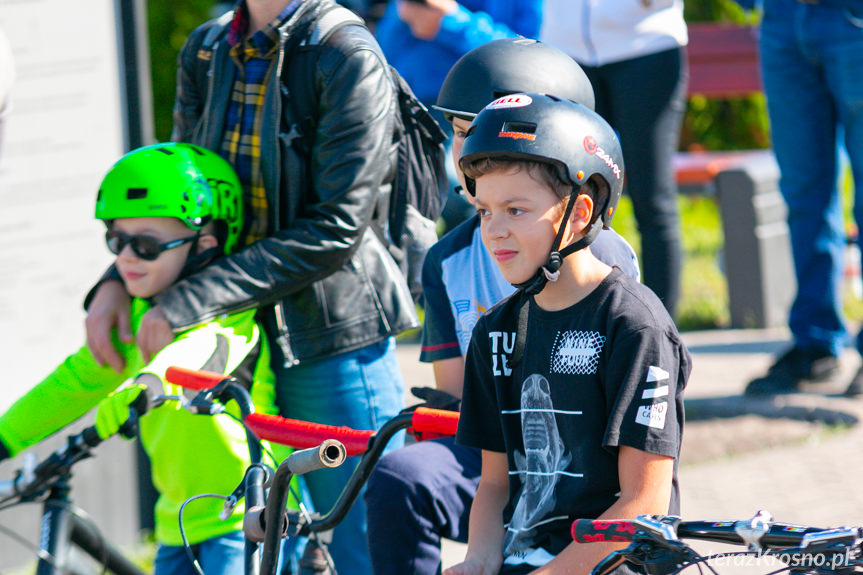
[[298, 74]]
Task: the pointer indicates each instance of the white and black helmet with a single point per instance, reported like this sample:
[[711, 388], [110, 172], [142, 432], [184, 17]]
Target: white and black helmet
[[548, 129], [510, 66]]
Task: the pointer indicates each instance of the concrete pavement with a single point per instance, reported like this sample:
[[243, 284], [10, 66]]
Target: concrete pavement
[[798, 456]]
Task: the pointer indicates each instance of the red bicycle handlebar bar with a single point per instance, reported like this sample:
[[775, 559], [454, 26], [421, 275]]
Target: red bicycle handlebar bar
[[198, 379], [303, 434]]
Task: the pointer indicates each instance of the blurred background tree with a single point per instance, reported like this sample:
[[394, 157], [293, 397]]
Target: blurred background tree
[[170, 22]]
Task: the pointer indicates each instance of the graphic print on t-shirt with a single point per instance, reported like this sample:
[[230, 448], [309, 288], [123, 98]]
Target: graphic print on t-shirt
[[539, 467], [576, 352], [653, 415]]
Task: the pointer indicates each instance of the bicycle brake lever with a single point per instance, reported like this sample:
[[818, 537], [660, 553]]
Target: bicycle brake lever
[[611, 561]]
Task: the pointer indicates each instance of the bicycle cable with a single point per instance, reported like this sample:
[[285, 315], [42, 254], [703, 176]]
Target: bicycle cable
[[186, 545]]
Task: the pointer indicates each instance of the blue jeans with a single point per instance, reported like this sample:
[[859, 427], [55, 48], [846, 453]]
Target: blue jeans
[[217, 556], [417, 495], [361, 389], [812, 61]]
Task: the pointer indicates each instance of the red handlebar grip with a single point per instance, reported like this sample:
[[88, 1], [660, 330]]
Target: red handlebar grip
[[193, 378], [303, 434], [599, 530], [437, 421]]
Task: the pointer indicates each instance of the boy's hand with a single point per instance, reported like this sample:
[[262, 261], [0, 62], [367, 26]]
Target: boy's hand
[[424, 18], [109, 309], [114, 411], [154, 333], [469, 567]]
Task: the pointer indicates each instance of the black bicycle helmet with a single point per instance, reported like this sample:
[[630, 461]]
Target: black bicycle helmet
[[510, 66], [572, 138], [552, 130]]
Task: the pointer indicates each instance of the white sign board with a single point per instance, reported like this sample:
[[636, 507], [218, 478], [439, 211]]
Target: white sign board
[[65, 129]]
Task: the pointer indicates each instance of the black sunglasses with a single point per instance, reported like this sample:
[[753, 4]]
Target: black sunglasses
[[145, 247]]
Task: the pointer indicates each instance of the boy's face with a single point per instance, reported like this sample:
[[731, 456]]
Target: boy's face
[[518, 221], [144, 278], [459, 131]]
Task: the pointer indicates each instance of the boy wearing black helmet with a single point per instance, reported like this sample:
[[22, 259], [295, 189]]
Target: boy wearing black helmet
[[574, 385], [424, 492]]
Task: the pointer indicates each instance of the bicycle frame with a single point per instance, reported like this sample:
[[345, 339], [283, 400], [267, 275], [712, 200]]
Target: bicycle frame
[[62, 529]]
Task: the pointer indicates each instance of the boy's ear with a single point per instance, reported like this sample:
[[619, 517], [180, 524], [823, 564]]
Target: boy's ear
[[207, 241], [582, 211]]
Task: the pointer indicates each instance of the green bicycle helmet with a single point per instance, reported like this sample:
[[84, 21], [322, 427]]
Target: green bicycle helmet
[[183, 181]]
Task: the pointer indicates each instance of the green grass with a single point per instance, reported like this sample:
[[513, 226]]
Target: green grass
[[704, 291], [704, 297]]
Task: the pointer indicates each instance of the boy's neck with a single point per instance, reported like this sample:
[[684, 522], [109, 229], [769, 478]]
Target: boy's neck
[[580, 274], [262, 12]]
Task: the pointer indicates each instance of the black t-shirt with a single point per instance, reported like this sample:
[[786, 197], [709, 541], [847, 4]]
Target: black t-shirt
[[605, 372]]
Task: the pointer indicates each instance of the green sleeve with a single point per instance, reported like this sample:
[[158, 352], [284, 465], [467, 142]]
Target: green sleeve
[[74, 388]]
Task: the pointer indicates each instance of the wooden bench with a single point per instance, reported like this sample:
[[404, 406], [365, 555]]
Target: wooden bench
[[723, 62]]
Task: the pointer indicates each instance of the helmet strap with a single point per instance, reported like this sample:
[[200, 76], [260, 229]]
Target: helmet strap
[[196, 261], [549, 272]]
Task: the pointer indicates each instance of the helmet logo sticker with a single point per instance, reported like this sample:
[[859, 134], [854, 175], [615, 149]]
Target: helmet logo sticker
[[518, 131], [593, 148], [517, 135], [514, 101]]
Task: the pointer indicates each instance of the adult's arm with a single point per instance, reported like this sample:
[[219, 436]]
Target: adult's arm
[[645, 488], [462, 30], [349, 159]]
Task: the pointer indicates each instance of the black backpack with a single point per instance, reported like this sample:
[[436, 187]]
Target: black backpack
[[420, 185]]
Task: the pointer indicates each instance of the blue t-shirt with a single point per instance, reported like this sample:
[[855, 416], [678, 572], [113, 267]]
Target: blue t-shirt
[[424, 64]]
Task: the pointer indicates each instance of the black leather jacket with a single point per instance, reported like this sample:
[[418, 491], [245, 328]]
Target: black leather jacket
[[324, 280]]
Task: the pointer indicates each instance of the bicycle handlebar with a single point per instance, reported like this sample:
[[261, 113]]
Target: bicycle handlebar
[[302, 434], [197, 379], [777, 534], [33, 478], [649, 536]]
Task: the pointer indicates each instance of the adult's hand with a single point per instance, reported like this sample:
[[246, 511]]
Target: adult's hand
[[110, 308], [424, 18], [154, 334]]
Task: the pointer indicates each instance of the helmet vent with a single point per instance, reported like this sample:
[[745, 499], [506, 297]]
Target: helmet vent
[[136, 193], [521, 127]]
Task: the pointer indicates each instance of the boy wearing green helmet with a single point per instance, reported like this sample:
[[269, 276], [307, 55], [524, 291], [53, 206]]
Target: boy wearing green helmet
[[170, 210]]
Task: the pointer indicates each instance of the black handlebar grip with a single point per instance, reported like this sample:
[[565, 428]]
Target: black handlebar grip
[[90, 436], [602, 530]]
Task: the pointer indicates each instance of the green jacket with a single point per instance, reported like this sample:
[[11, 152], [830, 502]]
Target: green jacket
[[189, 454]]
